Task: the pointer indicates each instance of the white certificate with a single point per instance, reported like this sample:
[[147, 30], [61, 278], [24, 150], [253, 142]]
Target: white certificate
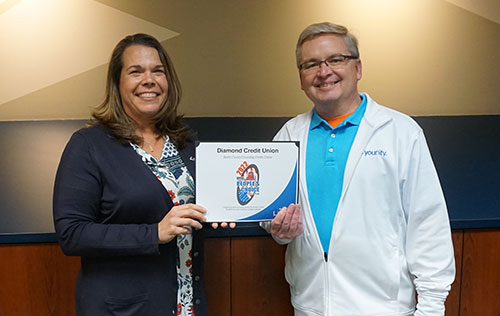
[[246, 181]]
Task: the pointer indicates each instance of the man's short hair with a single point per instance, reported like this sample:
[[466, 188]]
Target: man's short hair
[[318, 29]]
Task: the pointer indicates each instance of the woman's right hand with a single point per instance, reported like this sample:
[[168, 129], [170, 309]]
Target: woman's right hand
[[181, 219]]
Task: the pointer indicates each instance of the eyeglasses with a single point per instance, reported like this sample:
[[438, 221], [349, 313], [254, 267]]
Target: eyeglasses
[[334, 62]]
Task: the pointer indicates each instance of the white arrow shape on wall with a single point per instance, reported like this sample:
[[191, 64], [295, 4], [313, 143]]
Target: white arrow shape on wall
[[488, 9], [45, 42]]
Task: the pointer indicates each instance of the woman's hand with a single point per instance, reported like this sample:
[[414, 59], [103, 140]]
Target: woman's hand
[[181, 219], [223, 225], [288, 222]]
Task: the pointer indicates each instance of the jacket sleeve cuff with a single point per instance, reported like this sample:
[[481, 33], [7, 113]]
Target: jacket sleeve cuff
[[430, 305], [267, 227]]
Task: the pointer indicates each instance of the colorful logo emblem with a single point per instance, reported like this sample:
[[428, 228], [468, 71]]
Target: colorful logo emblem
[[247, 183]]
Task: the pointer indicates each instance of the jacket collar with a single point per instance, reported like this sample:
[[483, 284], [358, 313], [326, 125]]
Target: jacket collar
[[375, 115], [374, 118], [188, 156]]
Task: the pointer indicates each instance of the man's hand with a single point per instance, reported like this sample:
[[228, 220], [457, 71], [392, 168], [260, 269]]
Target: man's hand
[[288, 222]]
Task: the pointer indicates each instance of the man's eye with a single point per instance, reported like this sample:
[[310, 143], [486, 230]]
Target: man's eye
[[335, 60], [310, 65]]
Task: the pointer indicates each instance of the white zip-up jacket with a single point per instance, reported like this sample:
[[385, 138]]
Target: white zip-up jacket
[[391, 236]]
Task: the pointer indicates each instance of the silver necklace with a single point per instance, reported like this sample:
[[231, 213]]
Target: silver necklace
[[150, 145]]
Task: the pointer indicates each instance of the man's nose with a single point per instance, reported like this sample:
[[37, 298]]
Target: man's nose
[[324, 69]]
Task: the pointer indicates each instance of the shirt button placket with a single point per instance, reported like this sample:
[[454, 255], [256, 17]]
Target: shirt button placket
[[331, 142]]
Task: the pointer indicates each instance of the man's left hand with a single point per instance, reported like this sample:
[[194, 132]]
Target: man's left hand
[[288, 222]]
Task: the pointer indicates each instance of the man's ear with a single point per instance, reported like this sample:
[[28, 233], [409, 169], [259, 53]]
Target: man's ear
[[301, 85], [359, 69]]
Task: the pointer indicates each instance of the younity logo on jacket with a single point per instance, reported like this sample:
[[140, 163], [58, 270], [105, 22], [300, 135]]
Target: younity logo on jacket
[[378, 152]]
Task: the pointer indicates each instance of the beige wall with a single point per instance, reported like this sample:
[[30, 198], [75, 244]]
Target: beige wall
[[236, 58]]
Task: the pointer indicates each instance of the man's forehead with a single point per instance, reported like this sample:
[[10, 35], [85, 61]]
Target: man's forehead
[[323, 43]]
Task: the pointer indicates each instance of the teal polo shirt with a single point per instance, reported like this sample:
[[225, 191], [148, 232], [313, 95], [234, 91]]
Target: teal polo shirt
[[326, 157]]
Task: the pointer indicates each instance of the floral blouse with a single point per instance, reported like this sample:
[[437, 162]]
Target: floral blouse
[[175, 177]]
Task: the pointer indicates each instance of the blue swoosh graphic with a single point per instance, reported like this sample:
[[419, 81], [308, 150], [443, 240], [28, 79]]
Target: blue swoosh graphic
[[286, 197]]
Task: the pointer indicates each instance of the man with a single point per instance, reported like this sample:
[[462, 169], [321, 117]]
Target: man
[[374, 237]]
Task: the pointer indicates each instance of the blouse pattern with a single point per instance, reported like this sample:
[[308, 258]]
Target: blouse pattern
[[173, 174]]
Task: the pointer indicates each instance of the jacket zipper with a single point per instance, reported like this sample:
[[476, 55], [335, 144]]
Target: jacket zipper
[[327, 287]]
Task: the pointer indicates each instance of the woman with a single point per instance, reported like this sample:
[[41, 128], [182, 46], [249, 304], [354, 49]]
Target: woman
[[124, 193]]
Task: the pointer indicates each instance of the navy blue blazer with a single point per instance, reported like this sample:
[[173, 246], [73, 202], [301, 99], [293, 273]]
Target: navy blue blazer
[[106, 207]]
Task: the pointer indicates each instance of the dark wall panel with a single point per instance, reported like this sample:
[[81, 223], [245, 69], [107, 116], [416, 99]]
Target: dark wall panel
[[30, 155], [466, 151]]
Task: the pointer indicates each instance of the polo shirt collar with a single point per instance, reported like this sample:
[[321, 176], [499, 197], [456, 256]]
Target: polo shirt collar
[[353, 119]]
